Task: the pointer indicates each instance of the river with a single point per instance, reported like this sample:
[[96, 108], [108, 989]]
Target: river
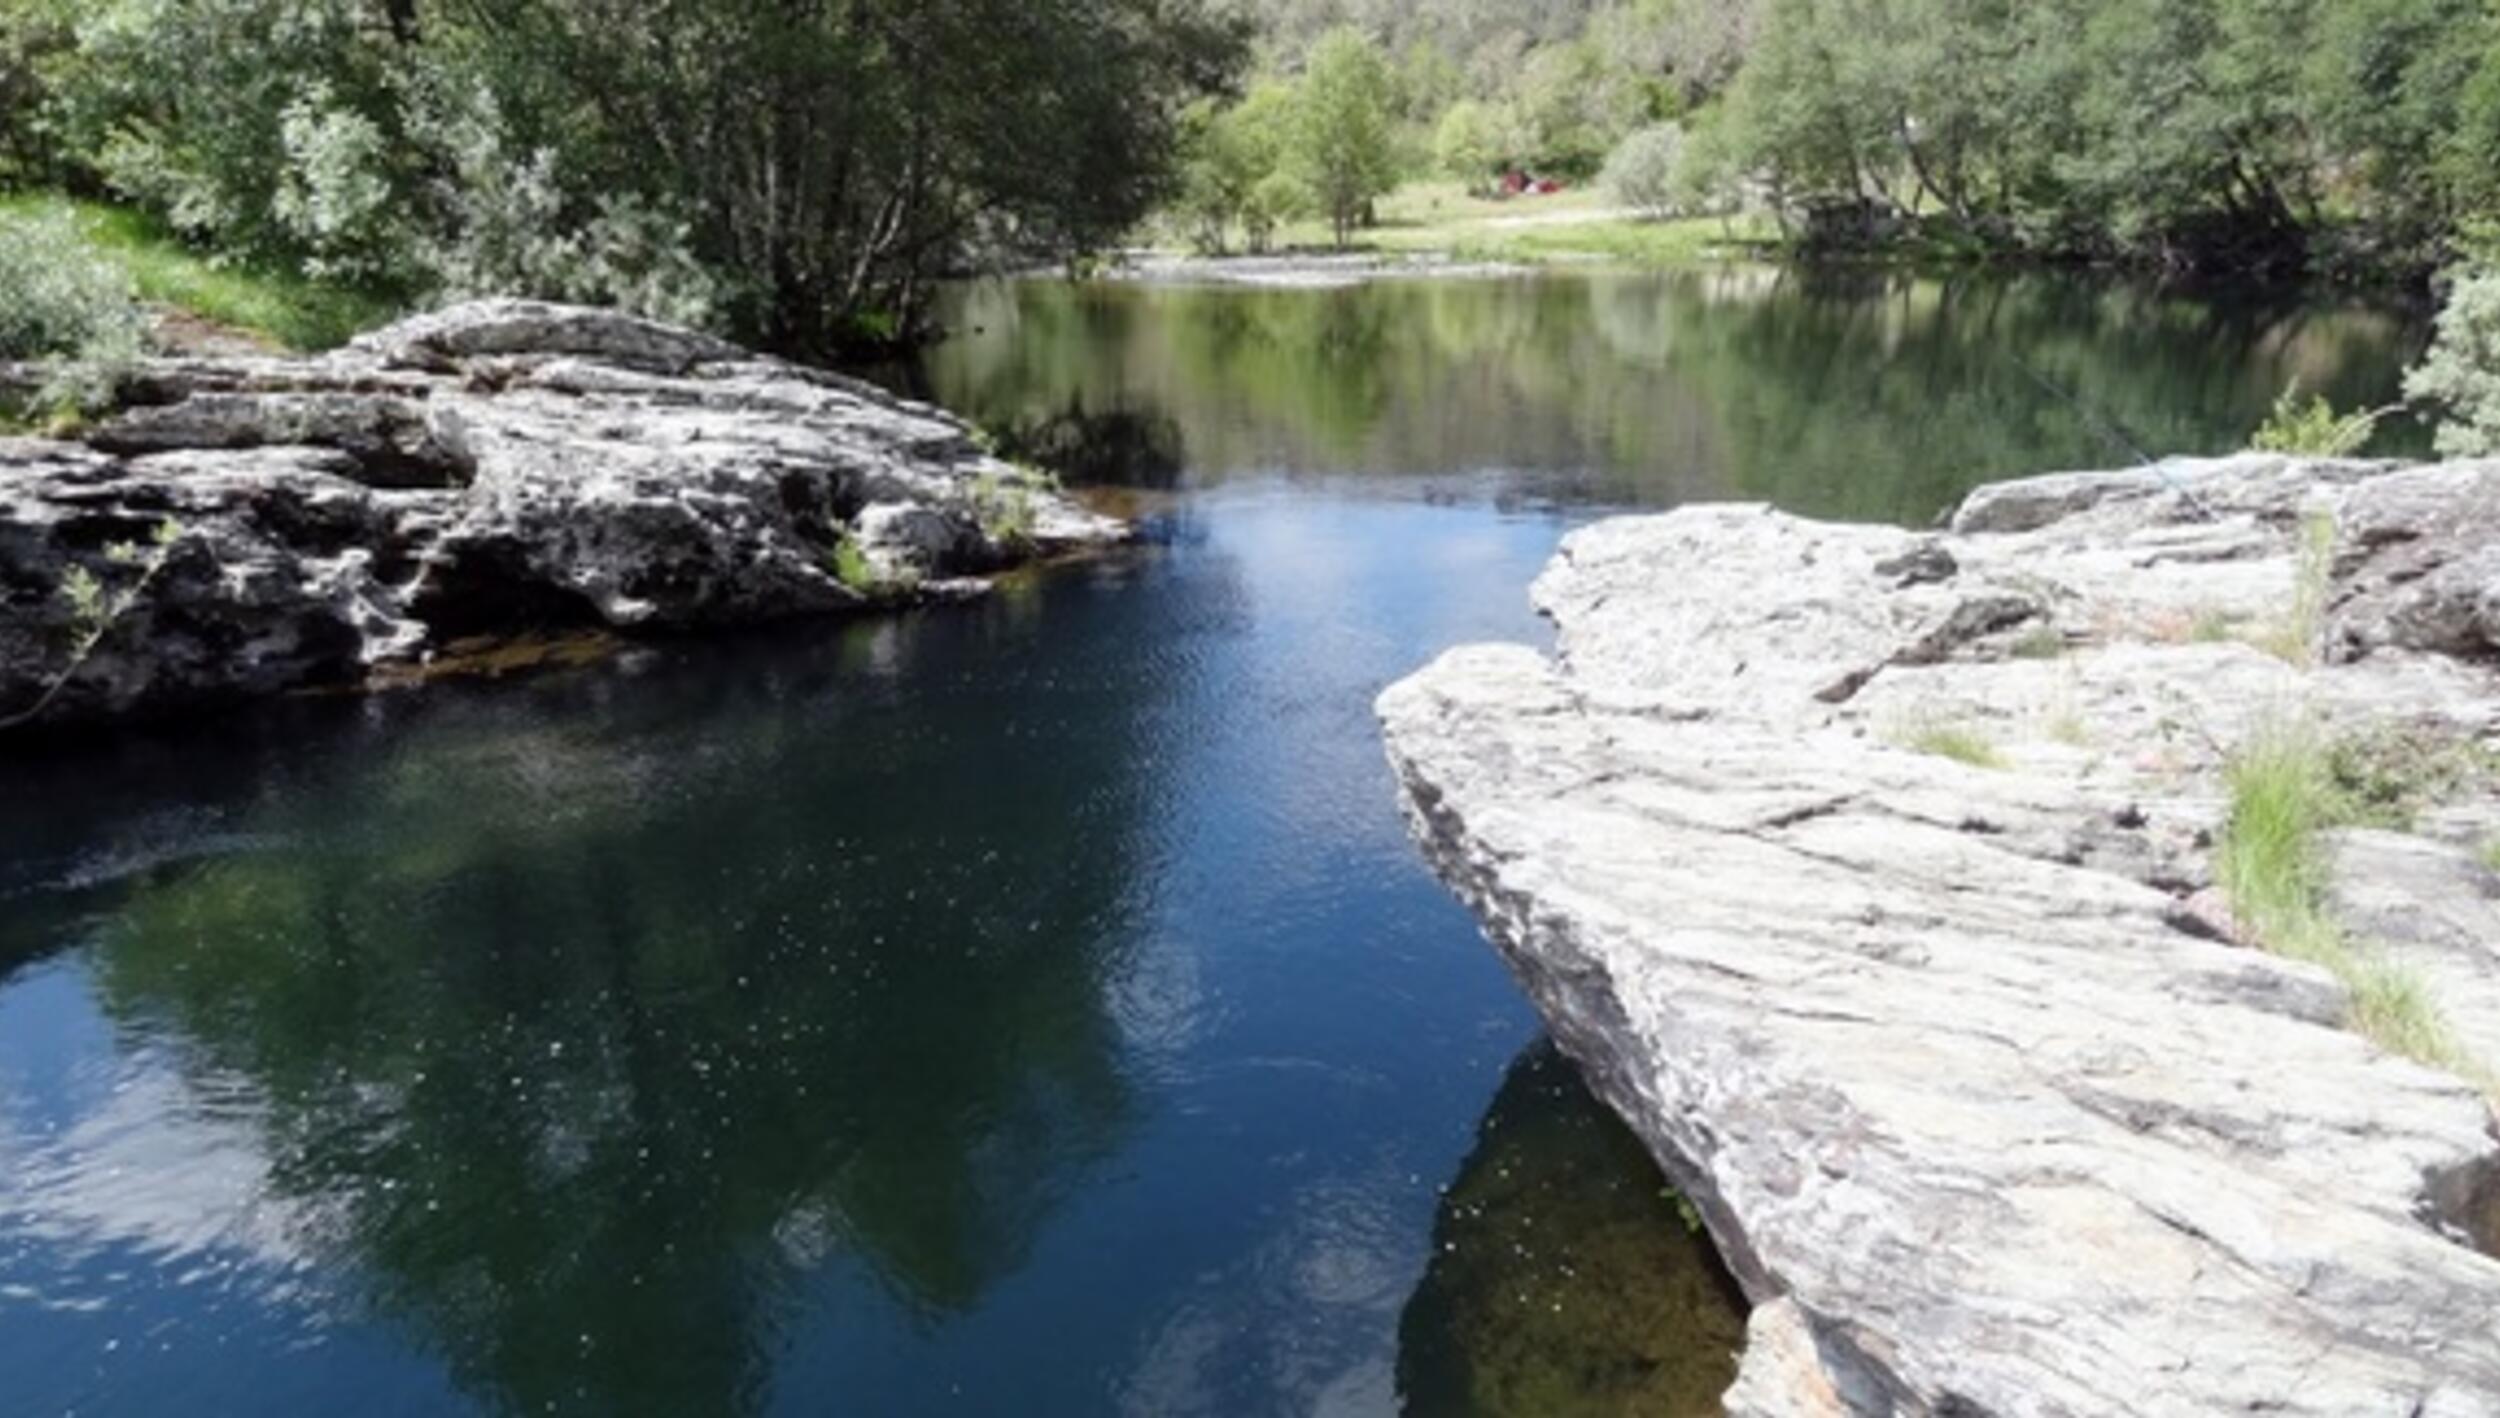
[[1027, 1008]]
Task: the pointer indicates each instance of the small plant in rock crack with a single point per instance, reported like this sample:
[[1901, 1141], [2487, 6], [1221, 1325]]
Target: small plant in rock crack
[[1005, 511], [96, 605]]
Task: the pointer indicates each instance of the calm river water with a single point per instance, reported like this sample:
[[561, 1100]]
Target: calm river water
[[1033, 1008]]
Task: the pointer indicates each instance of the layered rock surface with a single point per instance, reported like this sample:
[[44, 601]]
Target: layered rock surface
[[1960, 1060], [265, 524]]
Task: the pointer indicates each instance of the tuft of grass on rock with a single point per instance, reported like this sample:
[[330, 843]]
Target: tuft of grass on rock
[[1959, 742], [2271, 861], [2214, 627], [2041, 642], [851, 567], [2386, 777], [2294, 638]]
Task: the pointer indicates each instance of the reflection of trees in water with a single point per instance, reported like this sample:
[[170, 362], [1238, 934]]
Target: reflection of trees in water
[[1848, 392], [1113, 447], [1564, 1280], [587, 1045]]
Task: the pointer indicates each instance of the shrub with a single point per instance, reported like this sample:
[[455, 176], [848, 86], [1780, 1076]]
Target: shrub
[[2460, 376], [2314, 429], [512, 229], [851, 566], [1643, 172], [334, 196], [68, 310], [58, 300]]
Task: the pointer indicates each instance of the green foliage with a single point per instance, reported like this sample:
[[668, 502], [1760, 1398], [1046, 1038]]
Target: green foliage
[[2460, 376], [1644, 169], [2236, 134], [1470, 145], [1959, 742], [2293, 638], [287, 308], [1231, 161], [2386, 777], [58, 299], [2272, 864], [1341, 147], [851, 566], [2041, 642], [96, 606], [777, 167], [1004, 509], [2314, 429]]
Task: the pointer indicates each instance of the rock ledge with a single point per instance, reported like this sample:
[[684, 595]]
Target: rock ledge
[[496, 466], [1985, 1108]]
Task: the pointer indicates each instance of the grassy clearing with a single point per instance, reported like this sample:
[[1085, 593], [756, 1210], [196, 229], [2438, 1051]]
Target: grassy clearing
[[286, 308], [1582, 224], [2271, 861]]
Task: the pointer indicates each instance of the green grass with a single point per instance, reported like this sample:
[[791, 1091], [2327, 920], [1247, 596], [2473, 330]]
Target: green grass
[[851, 567], [2041, 642], [1441, 217], [2491, 854], [2214, 627], [2294, 639], [1958, 742], [2271, 861], [287, 308]]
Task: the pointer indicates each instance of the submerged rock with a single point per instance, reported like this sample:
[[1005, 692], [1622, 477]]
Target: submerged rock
[[1867, 874], [254, 525]]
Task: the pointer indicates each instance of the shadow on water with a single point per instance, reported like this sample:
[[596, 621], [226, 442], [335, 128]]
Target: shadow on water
[[581, 1025], [1566, 1280]]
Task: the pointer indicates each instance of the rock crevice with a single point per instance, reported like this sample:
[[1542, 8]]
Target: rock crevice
[[1920, 992]]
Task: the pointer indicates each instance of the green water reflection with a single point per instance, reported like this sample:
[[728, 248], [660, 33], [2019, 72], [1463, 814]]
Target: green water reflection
[[1861, 395], [1565, 1280]]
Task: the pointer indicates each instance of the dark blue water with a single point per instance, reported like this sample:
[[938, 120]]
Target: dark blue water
[[1032, 1008]]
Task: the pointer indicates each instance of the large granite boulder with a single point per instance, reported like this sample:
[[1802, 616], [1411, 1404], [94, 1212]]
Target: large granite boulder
[[1868, 875], [253, 525]]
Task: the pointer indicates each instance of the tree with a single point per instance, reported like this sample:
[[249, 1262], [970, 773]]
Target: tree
[[1343, 149], [2461, 375], [818, 163], [1642, 172], [1468, 144]]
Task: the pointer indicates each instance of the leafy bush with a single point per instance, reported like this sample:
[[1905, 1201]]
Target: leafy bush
[[61, 305], [1643, 173], [2461, 374], [334, 195], [2314, 429]]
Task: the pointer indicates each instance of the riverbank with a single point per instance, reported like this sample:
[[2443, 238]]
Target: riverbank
[[1910, 896], [249, 525]]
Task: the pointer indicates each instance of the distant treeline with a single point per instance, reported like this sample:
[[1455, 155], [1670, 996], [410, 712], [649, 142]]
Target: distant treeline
[[2212, 135], [794, 171]]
